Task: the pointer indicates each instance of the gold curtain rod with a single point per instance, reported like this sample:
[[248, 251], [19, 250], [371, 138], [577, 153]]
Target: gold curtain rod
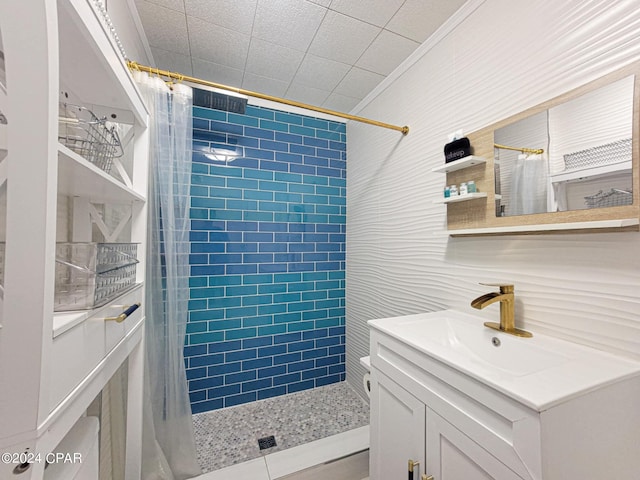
[[523, 150], [187, 78]]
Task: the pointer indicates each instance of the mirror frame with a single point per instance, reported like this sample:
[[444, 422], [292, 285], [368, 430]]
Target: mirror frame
[[477, 217]]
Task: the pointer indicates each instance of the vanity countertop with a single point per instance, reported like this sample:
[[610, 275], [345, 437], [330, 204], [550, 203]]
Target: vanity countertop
[[539, 372]]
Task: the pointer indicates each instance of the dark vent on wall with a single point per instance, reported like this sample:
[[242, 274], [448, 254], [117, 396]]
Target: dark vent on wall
[[218, 101]]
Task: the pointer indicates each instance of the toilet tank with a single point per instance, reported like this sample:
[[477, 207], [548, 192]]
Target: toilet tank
[[76, 456]]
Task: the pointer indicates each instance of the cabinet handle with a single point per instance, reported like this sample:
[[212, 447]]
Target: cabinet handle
[[123, 316], [412, 465]]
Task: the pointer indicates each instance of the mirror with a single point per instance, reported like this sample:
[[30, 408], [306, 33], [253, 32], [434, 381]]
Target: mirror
[[576, 155]]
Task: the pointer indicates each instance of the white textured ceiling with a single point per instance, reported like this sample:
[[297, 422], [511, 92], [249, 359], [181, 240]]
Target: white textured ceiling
[[329, 53]]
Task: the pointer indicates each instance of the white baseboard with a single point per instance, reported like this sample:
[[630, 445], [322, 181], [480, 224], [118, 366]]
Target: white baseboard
[[255, 469], [314, 453], [279, 464]]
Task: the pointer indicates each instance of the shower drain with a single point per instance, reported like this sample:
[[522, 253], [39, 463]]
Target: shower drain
[[267, 442]]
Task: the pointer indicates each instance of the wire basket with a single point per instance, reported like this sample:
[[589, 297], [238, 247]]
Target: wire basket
[[614, 152], [613, 198], [89, 136], [89, 275]]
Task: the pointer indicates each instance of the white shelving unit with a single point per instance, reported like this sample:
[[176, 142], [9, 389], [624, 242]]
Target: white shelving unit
[[53, 365], [466, 162]]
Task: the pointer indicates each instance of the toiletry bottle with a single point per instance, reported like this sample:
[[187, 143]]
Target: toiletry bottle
[[471, 186], [453, 191], [463, 188], [447, 192]]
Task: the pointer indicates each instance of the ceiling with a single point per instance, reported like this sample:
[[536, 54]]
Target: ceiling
[[328, 53]]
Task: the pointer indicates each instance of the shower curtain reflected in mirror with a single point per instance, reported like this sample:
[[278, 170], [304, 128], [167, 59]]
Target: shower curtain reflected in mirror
[[529, 180], [168, 441]]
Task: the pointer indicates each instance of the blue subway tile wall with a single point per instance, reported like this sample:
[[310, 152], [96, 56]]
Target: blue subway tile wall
[[268, 211]]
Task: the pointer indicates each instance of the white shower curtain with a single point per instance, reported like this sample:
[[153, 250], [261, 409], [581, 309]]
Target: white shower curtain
[[168, 440], [529, 180]]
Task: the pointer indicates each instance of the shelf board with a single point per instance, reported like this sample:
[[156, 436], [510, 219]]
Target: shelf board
[[462, 198], [63, 321], [91, 65], [80, 178], [548, 227], [583, 173], [465, 162]]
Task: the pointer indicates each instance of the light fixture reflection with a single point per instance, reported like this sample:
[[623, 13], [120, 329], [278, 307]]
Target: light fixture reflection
[[222, 155]]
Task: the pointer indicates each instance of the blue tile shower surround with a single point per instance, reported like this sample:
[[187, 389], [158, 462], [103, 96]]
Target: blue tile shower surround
[[268, 211]]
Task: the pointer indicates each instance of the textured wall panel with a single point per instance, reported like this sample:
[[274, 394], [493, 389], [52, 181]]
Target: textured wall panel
[[503, 58]]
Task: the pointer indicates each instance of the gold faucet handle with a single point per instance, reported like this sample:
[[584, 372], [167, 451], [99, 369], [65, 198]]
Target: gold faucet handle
[[504, 286]]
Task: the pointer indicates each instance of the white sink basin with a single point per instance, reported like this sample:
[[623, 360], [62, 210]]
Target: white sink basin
[[470, 340], [538, 371]]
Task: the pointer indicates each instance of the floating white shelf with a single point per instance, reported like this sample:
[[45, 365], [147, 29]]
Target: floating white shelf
[[462, 198], [78, 177], [465, 162], [621, 223]]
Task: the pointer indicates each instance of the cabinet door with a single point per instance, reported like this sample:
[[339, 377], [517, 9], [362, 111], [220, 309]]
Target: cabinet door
[[451, 455], [397, 430]]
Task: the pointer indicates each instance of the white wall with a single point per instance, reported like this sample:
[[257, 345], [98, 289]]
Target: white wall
[[504, 57]]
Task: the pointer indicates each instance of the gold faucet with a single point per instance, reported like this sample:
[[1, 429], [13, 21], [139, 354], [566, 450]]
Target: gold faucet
[[506, 298]]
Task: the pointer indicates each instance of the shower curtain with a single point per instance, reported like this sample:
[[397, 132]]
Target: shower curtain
[[529, 180], [168, 438]]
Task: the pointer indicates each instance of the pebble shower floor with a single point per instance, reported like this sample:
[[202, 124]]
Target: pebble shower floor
[[229, 436]]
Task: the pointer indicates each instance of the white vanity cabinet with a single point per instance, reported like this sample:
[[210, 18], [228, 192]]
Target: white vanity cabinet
[[397, 434], [53, 364], [404, 428], [451, 454], [459, 428]]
